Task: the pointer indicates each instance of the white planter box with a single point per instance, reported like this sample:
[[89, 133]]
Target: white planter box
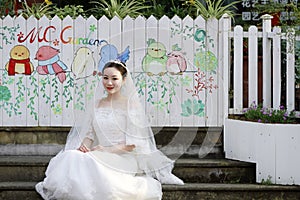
[[275, 148]]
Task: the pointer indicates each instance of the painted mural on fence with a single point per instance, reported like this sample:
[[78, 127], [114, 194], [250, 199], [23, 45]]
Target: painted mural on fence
[[164, 70]]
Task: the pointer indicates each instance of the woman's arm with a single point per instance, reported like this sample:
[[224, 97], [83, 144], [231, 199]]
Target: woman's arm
[[87, 142]]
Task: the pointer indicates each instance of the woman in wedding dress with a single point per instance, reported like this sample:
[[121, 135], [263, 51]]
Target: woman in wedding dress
[[110, 153]]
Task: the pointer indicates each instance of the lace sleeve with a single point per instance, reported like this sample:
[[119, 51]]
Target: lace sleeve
[[139, 133], [91, 132]]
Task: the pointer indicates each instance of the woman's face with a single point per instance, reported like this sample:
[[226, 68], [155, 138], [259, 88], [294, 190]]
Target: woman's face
[[112, 80]]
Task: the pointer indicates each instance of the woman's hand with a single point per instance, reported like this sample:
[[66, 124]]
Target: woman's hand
[[85, 145], [83, 148], [129, 147]]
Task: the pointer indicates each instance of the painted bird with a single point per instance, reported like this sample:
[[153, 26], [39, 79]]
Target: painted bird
[[176, 63], [50, 63], [19, 62], [110, 52], [83, 64], [154, 62]]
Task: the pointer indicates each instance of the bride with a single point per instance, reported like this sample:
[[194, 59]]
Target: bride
[[110, 153]]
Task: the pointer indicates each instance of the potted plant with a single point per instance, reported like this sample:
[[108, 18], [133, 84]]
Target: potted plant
[[214, 9], [268, 137], [117, 8]]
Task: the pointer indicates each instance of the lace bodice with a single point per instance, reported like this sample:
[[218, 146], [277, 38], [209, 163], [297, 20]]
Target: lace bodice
[[109, 126]]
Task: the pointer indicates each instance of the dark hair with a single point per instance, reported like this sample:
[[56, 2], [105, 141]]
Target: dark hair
[[120, 66]]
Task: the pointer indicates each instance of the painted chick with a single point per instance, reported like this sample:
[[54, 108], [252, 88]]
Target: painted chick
[[50, 63], [83, 64], [19, 62], [154, 62]]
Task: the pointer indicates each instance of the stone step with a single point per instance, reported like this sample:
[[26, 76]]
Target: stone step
[[189, 191], [212, 191], [58, 135], [173, 152], [214, 171], [185, 141], [32, 168]]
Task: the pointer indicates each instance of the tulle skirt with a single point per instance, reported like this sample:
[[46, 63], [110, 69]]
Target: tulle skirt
[[73, 175]]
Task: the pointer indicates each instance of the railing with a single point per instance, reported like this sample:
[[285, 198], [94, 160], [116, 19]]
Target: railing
[[255, 68]]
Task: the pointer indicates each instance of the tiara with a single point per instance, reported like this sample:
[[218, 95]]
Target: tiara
[[118, 62]]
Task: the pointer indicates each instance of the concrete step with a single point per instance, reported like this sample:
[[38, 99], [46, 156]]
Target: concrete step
[[173, 152], [193, 170], [58, 135], [212, 191], [173, 141], [189, 191], [215, 171]]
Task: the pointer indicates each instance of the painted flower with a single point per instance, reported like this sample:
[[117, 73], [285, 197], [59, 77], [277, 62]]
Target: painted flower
[[142, 84], [160, 104], [48, 2], [186, 81], [93, 28], [200, 35], [195, 107], [57, 110], [206, 61], [56, 42], [5, 94], [20, 35]]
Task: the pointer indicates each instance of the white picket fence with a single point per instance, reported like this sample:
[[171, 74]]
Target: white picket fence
[[159, 49], [264, 71]]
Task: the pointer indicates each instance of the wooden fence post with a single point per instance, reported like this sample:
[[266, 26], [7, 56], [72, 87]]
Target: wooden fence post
[[276, 67], [224, 61], [290, 69], [266, 60]]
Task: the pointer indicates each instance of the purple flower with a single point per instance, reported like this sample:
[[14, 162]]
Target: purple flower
[[265, 112], [259, 120], [286, 114], [281, 107]]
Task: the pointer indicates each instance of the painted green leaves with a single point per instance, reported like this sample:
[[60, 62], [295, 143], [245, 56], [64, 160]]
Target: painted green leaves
[[5, 94], [192, 107]]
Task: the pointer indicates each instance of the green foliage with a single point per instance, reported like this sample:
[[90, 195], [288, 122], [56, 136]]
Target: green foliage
[[68, 10], [274, 8], [268, 181], [121, 8], [214, 9], [117, 8], [297, 64], [50, 10], [6, 7], [37, 10], [262, 114], [157, 10]]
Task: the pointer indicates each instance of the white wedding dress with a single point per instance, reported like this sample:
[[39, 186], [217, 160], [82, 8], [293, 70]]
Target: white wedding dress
[[98, 175]]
